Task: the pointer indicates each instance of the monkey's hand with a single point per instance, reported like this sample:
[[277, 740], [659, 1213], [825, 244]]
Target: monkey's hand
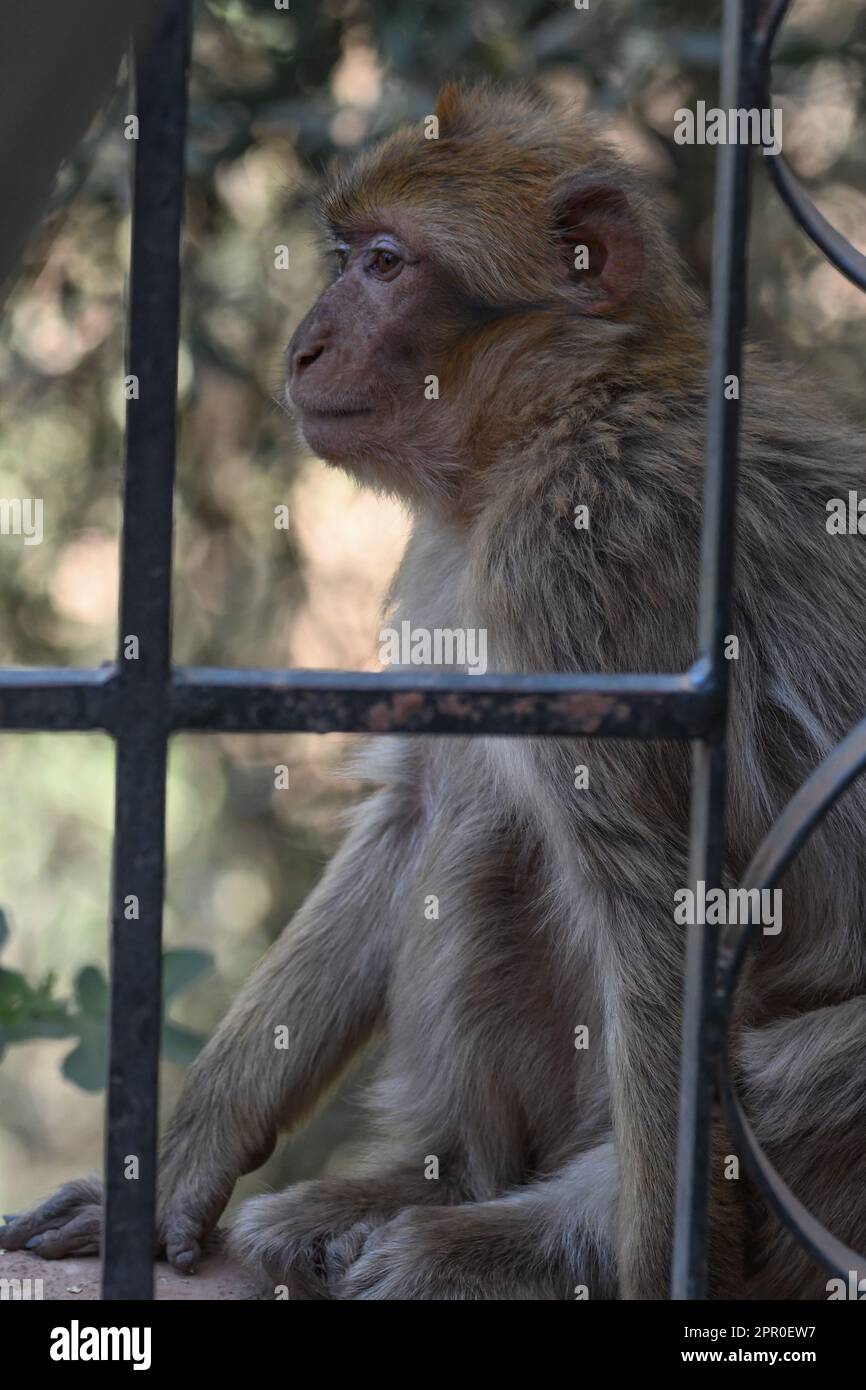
[[66, 1224], [204, 1152], [188, 1213], [70, 1222], [192, 1196]]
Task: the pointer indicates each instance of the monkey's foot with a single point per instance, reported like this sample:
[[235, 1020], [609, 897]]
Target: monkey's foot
[[302, 1241], [448, 1253]]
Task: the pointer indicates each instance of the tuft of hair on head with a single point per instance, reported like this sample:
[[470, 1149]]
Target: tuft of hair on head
[[465, 109]]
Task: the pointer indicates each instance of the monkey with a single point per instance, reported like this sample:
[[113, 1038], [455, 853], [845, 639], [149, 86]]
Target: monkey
[[509, 336]]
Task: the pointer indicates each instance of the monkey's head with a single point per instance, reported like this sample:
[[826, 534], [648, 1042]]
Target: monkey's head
[[494, 268]]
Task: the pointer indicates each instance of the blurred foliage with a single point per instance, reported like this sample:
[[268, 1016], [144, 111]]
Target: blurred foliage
[[274, 95], [34, 1011]]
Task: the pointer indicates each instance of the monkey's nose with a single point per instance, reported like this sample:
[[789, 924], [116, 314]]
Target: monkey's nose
[[305, 357]]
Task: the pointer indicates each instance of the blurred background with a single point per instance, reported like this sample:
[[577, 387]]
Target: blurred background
[[274, 94]]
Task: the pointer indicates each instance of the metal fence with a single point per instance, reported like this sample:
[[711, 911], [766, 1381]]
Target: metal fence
[[142, 701]]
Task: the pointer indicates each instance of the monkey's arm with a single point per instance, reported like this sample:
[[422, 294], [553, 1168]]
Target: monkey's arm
[[320, 991], [311, 1003]]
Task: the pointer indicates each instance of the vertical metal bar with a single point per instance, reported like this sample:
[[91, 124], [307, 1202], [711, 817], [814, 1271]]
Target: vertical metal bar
[[700, 1031], [145, 606]]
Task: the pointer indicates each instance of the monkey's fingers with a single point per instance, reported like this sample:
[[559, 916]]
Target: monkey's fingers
[[182, 1234], [79, 1236], [72, 1200], [187, 1228], [183, 1253]]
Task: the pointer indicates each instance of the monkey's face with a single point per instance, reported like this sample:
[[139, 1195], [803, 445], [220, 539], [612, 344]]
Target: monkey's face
[[362, 366], [484, 276]]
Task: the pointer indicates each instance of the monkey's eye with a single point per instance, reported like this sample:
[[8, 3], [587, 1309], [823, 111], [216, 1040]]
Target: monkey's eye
[[384, 263], [341, 255]]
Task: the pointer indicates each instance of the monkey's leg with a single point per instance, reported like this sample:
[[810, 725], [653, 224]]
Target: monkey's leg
[[313, 1000], [551, 1240], [305, 1238], [643, 1050]]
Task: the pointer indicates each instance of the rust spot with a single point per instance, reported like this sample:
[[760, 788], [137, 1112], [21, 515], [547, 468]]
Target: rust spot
[[457, 706], [394, 713], [525, 707], [590, 710]]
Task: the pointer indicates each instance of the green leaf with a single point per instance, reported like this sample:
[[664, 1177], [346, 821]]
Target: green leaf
[[181, 968], [13, 990], [26, 1028], [30, 1012], [91, 991], [86, 1064]]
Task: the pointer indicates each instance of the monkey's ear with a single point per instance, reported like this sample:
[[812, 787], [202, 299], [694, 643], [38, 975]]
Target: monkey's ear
[[600, 244]]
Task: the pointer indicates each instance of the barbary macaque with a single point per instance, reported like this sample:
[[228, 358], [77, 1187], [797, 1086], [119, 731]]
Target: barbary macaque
[[505, 927]]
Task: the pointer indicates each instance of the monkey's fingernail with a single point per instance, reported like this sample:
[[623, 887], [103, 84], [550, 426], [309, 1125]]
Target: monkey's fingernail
[[34, 1242], [10, 1216]]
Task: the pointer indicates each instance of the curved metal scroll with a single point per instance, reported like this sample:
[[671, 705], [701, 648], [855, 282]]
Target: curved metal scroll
[[803, 813], [816, 796], [838, 249]]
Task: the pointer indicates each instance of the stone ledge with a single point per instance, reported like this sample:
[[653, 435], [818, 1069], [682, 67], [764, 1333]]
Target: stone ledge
[[77, 1280]]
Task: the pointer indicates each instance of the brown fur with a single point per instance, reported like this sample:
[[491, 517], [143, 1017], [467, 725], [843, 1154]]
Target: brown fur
[[556, 905]]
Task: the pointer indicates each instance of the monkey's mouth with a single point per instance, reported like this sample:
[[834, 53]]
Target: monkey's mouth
[[333, 430], [311, 411], [314, 413]]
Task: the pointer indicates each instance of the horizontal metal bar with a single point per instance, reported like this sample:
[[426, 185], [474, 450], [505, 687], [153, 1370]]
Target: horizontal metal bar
[[661, 706], [680, 705], [58, 699]]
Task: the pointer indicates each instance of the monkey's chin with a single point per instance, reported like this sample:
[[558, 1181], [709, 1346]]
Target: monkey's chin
[[336, 438]]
